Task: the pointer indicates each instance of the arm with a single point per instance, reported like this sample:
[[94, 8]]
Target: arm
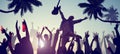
[[116, 29], [97, 42], [50, 33], [8, 42], [17, 31], [71, 45], [27, 32], [41, 33], [91, 44], [102, 39], [113, 35], [98, 46], [86, 43], [56, 38], [8, 37], [80, 20], [105, 46], [62, 15], [78, 44]]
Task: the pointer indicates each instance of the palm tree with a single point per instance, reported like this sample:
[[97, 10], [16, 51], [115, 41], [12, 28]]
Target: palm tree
[[112, 14], [22, 6], [93, 8]]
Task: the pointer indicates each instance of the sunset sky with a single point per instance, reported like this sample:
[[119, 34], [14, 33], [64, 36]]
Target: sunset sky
[[42, 16]]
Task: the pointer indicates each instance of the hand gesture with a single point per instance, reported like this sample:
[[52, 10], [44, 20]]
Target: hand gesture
[[3, 30], [87, 34], [95, 36]]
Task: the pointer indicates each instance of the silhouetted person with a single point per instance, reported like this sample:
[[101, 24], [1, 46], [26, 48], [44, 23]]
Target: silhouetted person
[[97, 50], [46, 41], [5, 42], [86, 43], [116, 40], [24, 46], [111, 46], [79, 50], [67, 26], [39, 49], [11, 42], [3, 47]]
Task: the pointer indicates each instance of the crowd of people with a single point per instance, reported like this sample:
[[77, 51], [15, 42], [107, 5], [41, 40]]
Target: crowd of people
[[24, 45]]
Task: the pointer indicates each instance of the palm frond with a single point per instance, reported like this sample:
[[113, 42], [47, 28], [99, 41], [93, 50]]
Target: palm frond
[[95, 14], [82, 5], [36, 3], [22, 11], [23, 5], [100, 13], [86, 10], [17, 8], [29, 7], [12, 4]]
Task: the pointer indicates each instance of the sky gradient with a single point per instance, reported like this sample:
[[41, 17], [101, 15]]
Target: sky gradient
[[42, 16]]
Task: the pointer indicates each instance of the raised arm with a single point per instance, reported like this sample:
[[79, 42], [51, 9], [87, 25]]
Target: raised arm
[[86, 43], [78, 43], [50, 33], [62, 15], [71, 45], [17, 31], [27, 32], [8, 37], [116, 29], [102, 39], [79, 20], [42, 33], [91, 44], [8, 42], [105, 44], [97, 42], [56, 36]]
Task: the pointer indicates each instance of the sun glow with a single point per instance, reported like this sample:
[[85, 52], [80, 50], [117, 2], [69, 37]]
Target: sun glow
[[41, 44]]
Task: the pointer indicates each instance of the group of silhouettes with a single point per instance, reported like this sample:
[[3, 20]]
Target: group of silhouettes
[[24, 45]]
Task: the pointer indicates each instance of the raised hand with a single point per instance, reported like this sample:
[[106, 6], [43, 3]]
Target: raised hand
[[87, 34], [3, 30], [46, 27], [96, 36], [116, 27]]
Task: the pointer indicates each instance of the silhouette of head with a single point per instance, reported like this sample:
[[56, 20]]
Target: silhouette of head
[[4, 40], [46, 36], [11, 34], [71, 18]]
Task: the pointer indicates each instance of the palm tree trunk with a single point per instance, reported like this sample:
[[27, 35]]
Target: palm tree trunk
[[6, 11], [109, 21]]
